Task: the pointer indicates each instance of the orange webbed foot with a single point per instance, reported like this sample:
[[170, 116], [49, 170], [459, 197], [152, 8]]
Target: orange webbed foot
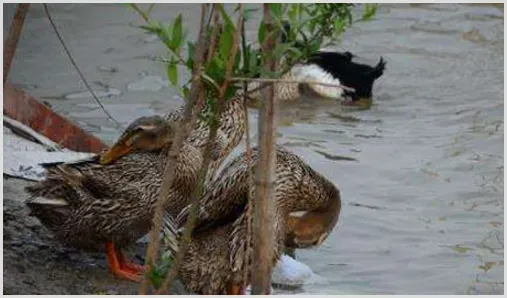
[[122, 268], [235, 290]]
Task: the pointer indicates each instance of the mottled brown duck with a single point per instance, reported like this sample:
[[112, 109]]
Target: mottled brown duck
[[89, 203], [229, 134], [219, 255]]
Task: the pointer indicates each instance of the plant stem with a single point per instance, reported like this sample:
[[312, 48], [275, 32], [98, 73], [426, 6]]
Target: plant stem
[[143, 14], [248, 153], [146, 18], [170, 167], [216, 20], [269, 80], [265, 176], [215, 124]]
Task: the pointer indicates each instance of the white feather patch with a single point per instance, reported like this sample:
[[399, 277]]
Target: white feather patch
[[312, 72], [298, 213], [46, 201]]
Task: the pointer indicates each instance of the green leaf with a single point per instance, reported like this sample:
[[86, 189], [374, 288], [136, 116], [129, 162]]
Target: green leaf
[[177, 33], [276, 8], [339, 26], [226, 39], [172, 73], [224, 14], [294, 12], [237, 60], [293, 53], [216, 69], [159, 272], [165, 35], [369, 11], [191, 53], [280, 49], [186, 92], [255, 63], [209, 80], [261, 33], [191, 49], [153, 28], [315, 46], [312, 26]]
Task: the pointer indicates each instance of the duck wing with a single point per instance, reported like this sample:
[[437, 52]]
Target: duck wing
[[89, 159], [224, 201]]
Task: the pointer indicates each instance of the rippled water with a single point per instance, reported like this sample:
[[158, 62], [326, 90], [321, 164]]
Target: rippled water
[[422, 199]]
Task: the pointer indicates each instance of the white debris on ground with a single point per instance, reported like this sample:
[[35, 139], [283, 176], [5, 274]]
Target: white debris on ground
[[24, 154], [293, 273], [289, 272]]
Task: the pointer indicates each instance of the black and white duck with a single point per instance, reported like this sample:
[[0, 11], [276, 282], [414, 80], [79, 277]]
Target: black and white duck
[[330, 67]]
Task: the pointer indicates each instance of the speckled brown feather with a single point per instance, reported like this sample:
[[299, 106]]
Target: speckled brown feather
[[115, 202], [110, 202], [230, 132], [220, 246], [284, 92]]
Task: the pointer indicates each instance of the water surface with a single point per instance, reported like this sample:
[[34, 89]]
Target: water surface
[[423, 187]]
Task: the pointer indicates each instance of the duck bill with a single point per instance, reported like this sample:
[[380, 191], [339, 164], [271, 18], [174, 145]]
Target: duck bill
[[114, 153]]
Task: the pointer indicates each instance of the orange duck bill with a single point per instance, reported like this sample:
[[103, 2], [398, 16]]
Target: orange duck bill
[[118, 150]]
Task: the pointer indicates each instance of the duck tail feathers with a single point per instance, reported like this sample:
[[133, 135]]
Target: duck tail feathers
[[48, 202], [171, 236], [52, 212], [378, 70]]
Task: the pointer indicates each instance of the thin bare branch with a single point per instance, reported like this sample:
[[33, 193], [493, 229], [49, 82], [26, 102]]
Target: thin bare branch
[[143, 14], [189, 225], [265, 175], [248, 158], [170, 167], [216, 24], [147, 19], [269, 80], [234, 50]]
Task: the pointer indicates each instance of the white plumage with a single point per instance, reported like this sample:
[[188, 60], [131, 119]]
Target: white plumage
[[312, 72]]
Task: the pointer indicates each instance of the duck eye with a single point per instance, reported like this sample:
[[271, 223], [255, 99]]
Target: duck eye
[[136, 130], [150, 135]]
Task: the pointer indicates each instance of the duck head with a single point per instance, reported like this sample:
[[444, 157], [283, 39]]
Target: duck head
[[145, 134]]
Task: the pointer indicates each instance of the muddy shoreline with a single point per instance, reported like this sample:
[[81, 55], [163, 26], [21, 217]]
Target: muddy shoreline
[[34, 263]]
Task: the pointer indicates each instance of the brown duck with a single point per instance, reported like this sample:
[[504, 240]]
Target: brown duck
[[230, 132], [88, 205], [219, 255], [92, 203]]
